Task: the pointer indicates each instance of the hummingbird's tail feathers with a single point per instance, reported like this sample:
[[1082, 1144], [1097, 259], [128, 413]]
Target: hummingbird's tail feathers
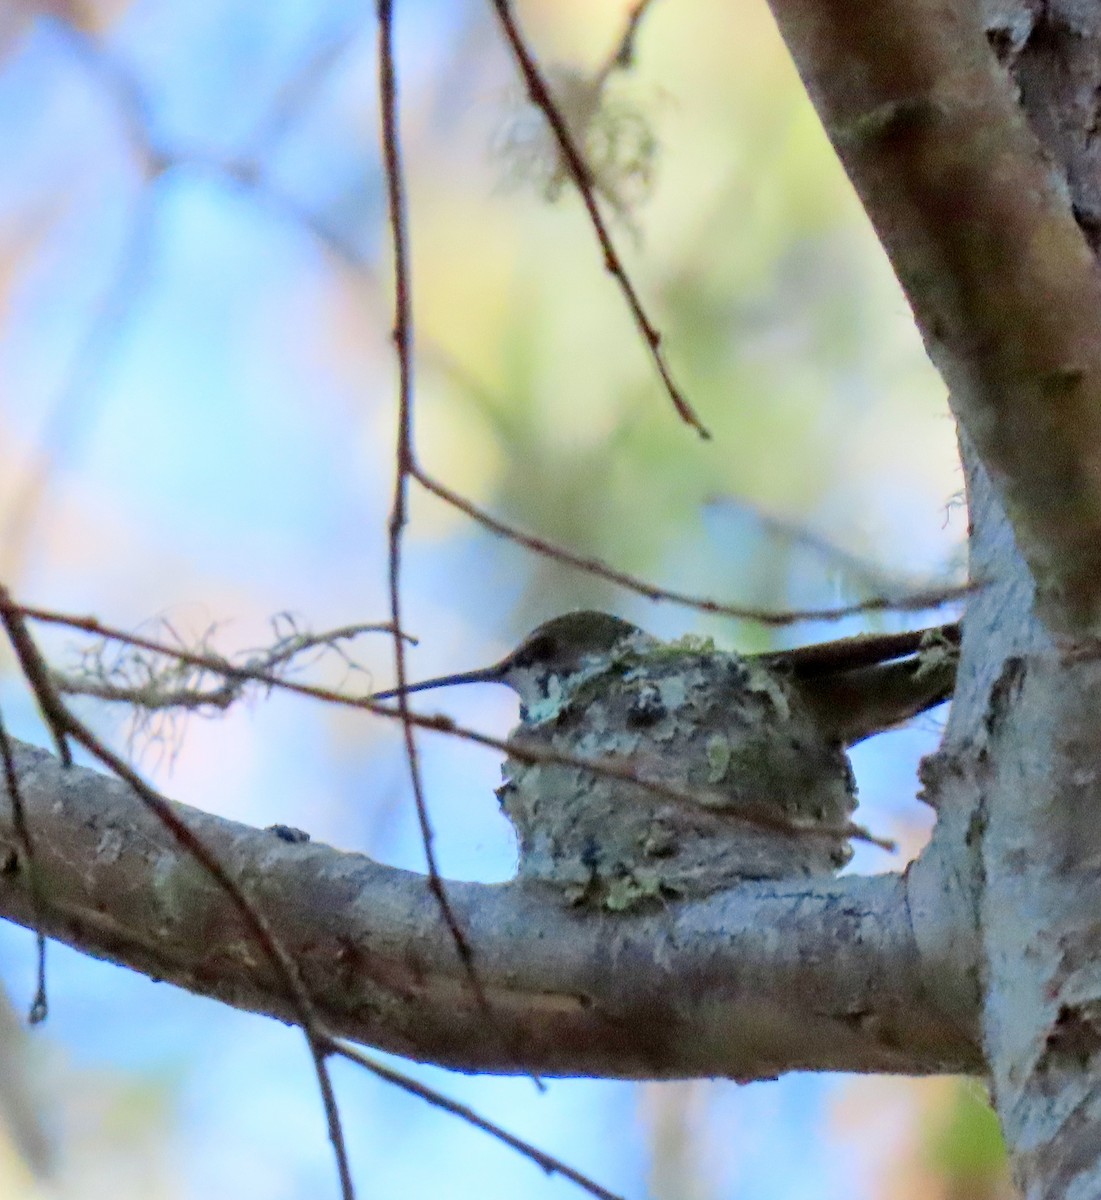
[[854, 705], [863, 650]]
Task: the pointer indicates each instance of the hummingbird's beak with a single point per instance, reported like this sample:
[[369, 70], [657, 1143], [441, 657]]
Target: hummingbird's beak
[[482, 675]]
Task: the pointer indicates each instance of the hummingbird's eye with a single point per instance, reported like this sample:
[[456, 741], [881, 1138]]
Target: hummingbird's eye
[[539, 649]]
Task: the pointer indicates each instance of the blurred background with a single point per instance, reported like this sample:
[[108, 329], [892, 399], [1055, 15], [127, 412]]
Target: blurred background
[[197, 416]]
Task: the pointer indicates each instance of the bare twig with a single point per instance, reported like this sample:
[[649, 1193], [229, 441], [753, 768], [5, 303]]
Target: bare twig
[[581, 175], [406, 467], [153, 688], [37, 674], [548, 1162], [65, 725], [623, 56], [763, 817], [403, 342], [284, 964], [932, 597], [39, 1005]]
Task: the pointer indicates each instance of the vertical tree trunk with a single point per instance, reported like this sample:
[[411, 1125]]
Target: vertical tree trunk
[[975, 218]]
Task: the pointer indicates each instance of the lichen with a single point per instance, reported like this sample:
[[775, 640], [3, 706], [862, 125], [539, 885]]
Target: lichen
[[718, 757], [629, 891], [761, 679], [673, 690]]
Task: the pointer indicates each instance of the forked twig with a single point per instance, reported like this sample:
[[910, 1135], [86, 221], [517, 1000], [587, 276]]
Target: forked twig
[[65, 725], [403, 342], [405, 468]]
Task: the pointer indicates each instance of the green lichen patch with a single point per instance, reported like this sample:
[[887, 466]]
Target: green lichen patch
[[719, 753]]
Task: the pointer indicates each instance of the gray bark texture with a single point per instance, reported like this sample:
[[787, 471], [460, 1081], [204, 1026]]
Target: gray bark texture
[[972, 140]]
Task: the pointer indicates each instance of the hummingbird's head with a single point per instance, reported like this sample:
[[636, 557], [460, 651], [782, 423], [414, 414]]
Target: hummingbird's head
[[556, 650], [564, 644]]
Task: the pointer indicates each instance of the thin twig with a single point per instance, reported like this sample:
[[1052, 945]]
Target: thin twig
[[281, 960], [39, 1005], [164, 689], [623, 56], [582, 177], [548, 1162], [762, 816], [37, 673], [886, 593], [405, 467], [65, 725], [403, 342], [927, 598]]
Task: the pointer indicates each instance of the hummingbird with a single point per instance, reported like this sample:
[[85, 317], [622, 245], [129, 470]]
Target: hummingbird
[[729, 736]]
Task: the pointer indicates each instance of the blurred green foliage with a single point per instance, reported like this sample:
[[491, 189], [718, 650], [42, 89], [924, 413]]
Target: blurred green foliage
[[966, 1144]]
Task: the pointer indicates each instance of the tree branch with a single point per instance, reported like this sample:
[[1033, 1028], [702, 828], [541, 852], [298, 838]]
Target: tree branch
[[769, 977]]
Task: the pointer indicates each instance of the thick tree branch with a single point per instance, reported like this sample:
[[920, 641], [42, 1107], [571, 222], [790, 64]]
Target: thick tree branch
[[766, 978], [980, 231]]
